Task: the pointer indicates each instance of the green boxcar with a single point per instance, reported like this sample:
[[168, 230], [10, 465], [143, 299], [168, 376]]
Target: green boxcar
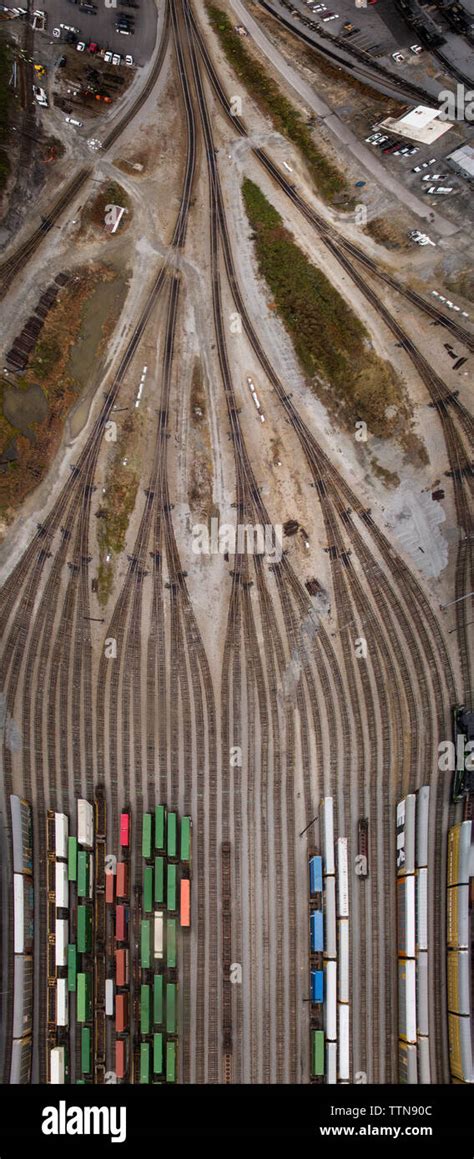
[[71, 968], [172, 835], [170, 1062], [86, 1044], [84, 998], [144, 1062], [159, 880], [186, 839], [160, 821], [317, 1053], [158, 999], [171, 889], [144, 1010], [145, 944], [83, 873], [171, 943], [84, 929], [157, 1053], [170, 1008], [148, 890], [146, 836], [72, 858]]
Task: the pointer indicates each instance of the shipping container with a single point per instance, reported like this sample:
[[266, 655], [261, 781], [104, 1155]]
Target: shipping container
[[83, 873], [342, 878], [122, 879], [61, 941], [170, 1008], [148, 889], [22, 996], [316, 932], [406, 835], [71, 968], [423, 1061], [61, 832], [422, 824], [146, 836], [121, 923], [459, 852], [109, 997], [331, 1063], [145, 947], [121, 968], [407, 999], [185, 851], [458, 917], [61, 885], [422, 909], [407, 1063], [171, 843], [72, 858], [422, 1016], [84, 929], [170, 1062], [343, 960], [458, 982], [57, 1066], [85, 824], [460, 1048], [171, 893], [185, 902], [326, 825], [121, 1013], [317, 1053], [343, 1065], [160, 826], [84, 997], [23, 897], [86, 1050], [109, 888], [329, 901], [317, 986], [158, 1053], [171, 943], [121, 1046], [144, 1010], [159, 880], [330, 1006], [406, 916], [144, 1062], [315, 875], [158, 999], [158, 935], [62, 1004], [124, 830]]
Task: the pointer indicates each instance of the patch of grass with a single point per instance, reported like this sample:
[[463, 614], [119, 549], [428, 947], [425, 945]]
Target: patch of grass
[[331, 343], [5, 107], [117, 503], [461, 283], [109, 194], [287, 119]]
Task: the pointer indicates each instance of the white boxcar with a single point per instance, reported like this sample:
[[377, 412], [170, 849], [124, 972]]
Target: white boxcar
[[407, 1069], [61, 833], [326, 826], [329, 906], [62, 1002], [422, 819], [109, 997], [19, 904], [62, 938], [343, 960], [422, 909], [342, 879], [424, 1067], [85, 824], [406, 916], [330, 1005], [331, 1063], [406, 835], [343, 1043], [422, 1016], [62, 885], [57, 1065], [407, 1000], [158, 935]]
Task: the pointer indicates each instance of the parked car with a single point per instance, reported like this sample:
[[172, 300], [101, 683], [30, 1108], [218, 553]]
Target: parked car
[[74, 121], [81, 47], [108, 57], [416, 48], [129, 60], [116, 59], [397, 56]]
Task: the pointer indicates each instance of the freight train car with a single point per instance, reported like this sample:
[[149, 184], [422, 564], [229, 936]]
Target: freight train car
[[326, 824], [22, 996], [460, 1048], [171, 943], [72, 858], [159, 881], [85, 824], [146, 836], [330, 917], [422, 826], [84, 929], [121, 1057], [463, 729], [343, 1059], [362, 859], [158, 996], [22, 835], [458, 982], [20, 1066], [61, 833], [315, 875], [160, 828], [84, 997], [459, 852], [316, 932], [144, 1062], [144, 1009], [406, 916], [172, 833], [158, 1053], [171, 1008], [330, 1005], [317, 987], [23, 901], [158, 934], [57, 1065], [406, 835], [171, 890], [342, 878], [148, 889], [343, 960], [317, 1053], [185, 903], [185, 843], [407, 1063], [407, 1000], [125, 830], [145, 944], [170, 1062]]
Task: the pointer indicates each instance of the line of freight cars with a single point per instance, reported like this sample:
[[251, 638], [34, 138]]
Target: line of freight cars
[[412, 821], [23, 932], [329, 970], [459, 966]]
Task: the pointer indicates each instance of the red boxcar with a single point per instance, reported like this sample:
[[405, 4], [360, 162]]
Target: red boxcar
[[185, 902], [109, 888], [121, 1013], [121, 1057], [122, 882], [121, 917], [124, 828], [121, 967]]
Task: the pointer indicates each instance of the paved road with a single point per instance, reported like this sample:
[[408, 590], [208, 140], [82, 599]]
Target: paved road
[[342, 132]]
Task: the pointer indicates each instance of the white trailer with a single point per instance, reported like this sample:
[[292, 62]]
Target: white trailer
[[62, 1003], [329, 904], [422, 909], [326, 826], [406, 810], [342, 878], [330, 1005], [62, 885], [422, 819], [331, 1063], [57, 1065], [109, 997], [158, 939], [19, 904], [85, 824], [61, 833], [343, 960], [343, 1043], [407, 999], [62, 938], [406, 916]]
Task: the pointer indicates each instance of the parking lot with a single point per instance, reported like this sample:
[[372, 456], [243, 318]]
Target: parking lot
[[99, 27]]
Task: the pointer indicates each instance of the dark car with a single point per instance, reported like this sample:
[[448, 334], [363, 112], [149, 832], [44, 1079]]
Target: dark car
[[61, 62]]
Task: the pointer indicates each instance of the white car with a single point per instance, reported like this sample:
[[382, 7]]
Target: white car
[[57, 33], [129, 60], [416, 48], [434, 177], [397, 56], [81, 46], [108, 57], [74, 121], [116, 58]]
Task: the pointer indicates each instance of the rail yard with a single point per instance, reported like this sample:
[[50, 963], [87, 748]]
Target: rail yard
[[237, 780]]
